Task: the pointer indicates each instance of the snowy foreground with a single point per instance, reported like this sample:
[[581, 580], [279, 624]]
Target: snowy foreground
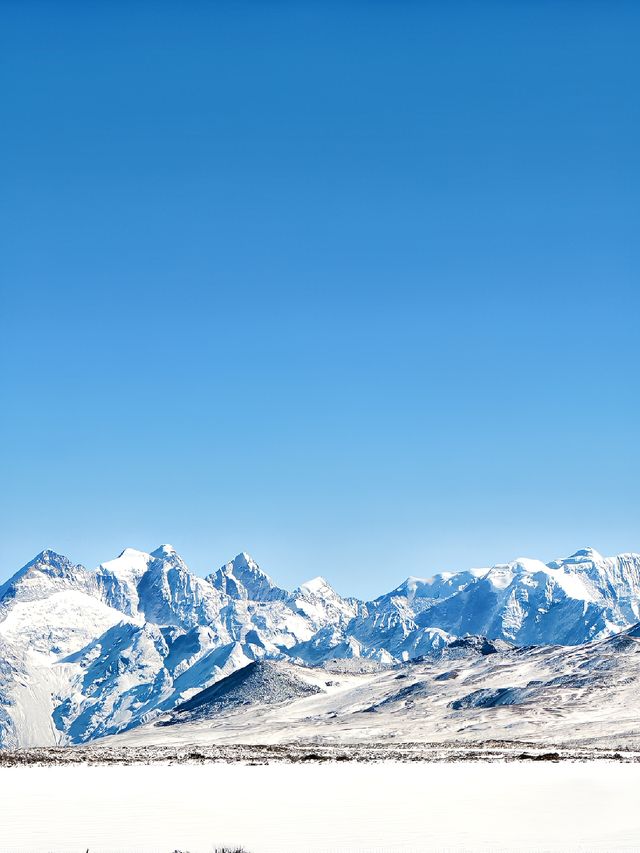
[[276, 808]]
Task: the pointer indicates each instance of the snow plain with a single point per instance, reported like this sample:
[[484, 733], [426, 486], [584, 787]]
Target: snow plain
[[328, 808]]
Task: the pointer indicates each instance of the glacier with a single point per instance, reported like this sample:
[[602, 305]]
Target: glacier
[[86, 654]]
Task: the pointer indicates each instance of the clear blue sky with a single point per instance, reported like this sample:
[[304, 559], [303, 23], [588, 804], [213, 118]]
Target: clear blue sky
[[351, 286]]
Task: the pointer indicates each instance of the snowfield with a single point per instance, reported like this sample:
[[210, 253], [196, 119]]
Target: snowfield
[[329, 808]]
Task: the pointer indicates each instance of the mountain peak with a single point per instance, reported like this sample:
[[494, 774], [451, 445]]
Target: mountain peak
[[47, 564], [317, 586], [50, 557], [584, 555], [133, 553], [242, 578], [47, 559], [164, 551], [264, 682], [243, 563], [130, 565]]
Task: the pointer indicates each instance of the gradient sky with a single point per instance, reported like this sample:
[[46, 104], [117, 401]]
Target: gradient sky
[[351, 286]]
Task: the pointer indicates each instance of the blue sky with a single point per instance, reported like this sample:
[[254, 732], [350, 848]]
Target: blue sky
[[351, 286]]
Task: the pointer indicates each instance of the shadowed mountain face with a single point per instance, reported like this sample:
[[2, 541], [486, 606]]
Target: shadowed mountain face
[[91, 653], [259, 682]]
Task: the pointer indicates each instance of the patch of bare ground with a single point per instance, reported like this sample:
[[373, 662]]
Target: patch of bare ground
[[490, 751]]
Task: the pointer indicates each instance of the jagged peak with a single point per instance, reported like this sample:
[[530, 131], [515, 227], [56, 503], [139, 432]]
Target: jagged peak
[[317, 586], [49, 557], [48, 561], [243, 578], [164, 551], [243, 562]]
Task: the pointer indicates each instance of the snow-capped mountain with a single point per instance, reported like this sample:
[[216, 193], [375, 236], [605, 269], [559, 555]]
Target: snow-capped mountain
[[243, 578], [87, 653], [571, 601], [471, 690]]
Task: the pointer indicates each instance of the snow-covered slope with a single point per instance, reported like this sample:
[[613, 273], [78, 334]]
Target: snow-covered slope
[[85, 654], [469, 691]]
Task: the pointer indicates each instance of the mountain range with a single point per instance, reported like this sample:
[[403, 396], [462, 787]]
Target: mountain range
[[473, 691], [90, 653]]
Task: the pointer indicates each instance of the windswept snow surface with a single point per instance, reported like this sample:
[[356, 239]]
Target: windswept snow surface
[[330, 808], [87, 654]]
